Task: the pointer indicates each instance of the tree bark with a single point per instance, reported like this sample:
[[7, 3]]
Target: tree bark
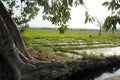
[[13, 30], [100, 31], [8, 51], [13, 53]]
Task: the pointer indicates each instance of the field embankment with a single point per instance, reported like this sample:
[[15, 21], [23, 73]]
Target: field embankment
[[61, 61], [73, 44]]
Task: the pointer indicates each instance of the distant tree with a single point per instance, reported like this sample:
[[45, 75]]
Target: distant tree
[[99, 24], [114, 19], [15, 61], [91, 19], [62, 29]]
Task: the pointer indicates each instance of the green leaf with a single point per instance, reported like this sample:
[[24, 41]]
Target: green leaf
[[71, 2], [76, 3], [81, 2], [86, 20], [118, 20], [110, 23], [90, 20], [106, 3]]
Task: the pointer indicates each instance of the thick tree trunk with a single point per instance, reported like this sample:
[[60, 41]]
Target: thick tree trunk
[[13, 30], [13, 54], [8, 52]]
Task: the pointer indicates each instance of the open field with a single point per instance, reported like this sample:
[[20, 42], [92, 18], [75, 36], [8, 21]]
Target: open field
[[50, 41]]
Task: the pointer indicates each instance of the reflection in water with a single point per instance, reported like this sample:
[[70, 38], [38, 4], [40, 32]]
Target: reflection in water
[[108, 74], [97, 74], [105, 51]]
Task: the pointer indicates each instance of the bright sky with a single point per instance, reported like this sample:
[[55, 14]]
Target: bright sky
[[78, 16]]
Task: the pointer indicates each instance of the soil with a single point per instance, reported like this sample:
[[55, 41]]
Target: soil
[[50, 56], [85, 69], [63, 68]]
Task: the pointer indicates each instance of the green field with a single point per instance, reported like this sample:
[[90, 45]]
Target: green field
[[50, 41]]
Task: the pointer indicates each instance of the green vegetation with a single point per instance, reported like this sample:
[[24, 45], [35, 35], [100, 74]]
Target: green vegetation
[[84, 54], [15, 60], [62, 54], [113, 20], [50, 41]]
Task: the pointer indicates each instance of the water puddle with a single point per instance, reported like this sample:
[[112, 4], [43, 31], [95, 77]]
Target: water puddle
[[100, 74], [105, 51], [70, 54], [85, 45], [107, 75]]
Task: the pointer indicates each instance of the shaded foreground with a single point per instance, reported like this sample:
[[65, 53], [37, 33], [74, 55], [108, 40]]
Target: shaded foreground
[[76, 70], [87, 69]]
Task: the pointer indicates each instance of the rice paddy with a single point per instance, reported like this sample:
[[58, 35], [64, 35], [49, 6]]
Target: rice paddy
[[72, 43]]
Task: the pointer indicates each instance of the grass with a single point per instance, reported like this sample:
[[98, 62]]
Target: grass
[[84, 54], [44, 50], [50, 41], [53, 35], [61, 54]]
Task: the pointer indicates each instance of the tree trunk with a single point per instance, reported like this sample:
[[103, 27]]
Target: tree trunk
[[100, 30], [8, 51], [13, 30], [13, 54]]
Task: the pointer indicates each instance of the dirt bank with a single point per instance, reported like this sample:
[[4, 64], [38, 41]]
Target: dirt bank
[[74, 70]]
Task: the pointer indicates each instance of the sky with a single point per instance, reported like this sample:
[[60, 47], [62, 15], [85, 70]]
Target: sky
[[78, 16]]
